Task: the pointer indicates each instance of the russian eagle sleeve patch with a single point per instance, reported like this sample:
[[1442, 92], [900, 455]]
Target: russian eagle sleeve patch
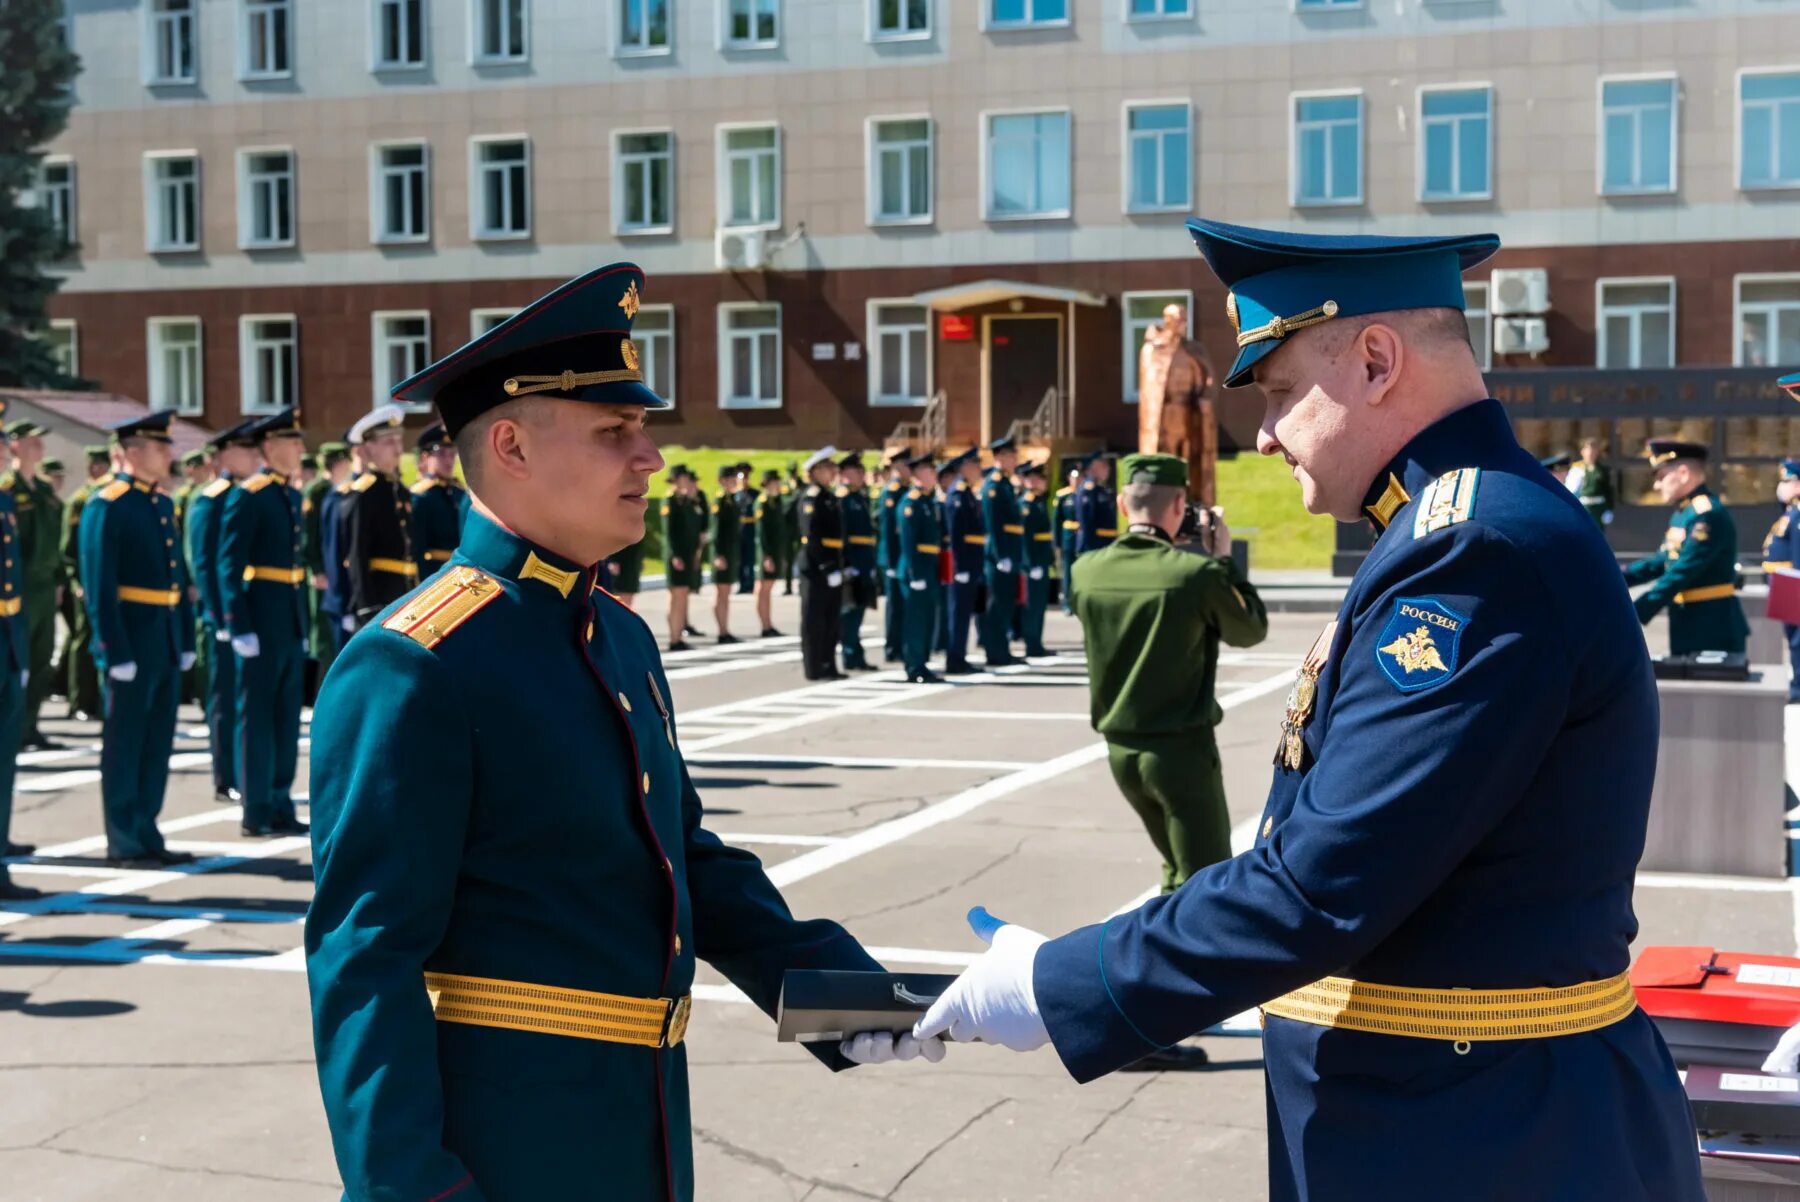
[[1420, 644]]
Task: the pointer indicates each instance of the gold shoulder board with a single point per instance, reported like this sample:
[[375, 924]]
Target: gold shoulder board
[[424, 486], [258, 482], [1703, 504], [431, 614], [364, 483], [115, 490], [1446, 501], [217, 488]]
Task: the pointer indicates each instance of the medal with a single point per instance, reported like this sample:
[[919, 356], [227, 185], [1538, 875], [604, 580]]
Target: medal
[[1291, 748]]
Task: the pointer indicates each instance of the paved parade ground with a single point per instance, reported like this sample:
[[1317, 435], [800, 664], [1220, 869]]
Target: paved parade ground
[[154, 1036]]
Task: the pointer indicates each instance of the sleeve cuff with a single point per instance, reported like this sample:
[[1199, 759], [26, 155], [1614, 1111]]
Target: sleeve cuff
[[1089, 1030]]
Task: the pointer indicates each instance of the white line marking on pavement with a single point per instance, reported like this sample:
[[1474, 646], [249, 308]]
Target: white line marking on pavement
[[93, 843], [1727, 884], [781, 840], [823, 702], [850, 761], [31, 759], [983, 715], [736, 665], [87, 776]]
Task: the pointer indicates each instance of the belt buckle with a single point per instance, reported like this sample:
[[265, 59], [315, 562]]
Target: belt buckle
[[676, 1022]]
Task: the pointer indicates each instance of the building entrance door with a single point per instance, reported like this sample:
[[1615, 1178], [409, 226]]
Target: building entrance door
[[1024, 362]]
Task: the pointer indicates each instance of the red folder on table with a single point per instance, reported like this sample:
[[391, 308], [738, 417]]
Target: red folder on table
[[1718, 1007], [1784, 596]]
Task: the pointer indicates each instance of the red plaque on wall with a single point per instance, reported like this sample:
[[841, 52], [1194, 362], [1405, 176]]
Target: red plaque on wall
[[954, 327]]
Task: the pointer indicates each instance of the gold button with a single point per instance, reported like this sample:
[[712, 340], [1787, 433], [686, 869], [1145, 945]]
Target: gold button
[[1268, 825], [646, 782], [624, 701], [678, 945], [668, 865]]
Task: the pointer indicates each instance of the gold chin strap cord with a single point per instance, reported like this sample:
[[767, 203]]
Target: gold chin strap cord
[[569, 381], [1281, 327]]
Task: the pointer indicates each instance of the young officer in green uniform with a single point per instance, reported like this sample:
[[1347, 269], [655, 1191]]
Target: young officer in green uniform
[[512, 896], [83, 681], [38, 512], [1063, 523], [727, 545], [1040, 554], [791, 488], [1003, 555], [770, 517], [14, 669], [322, 640], [684, 529], [887, 567], [861, 576], [137, 603], [918, 551], [1695, 571], [236, 455], [438, 501], [1592, 483], [262, 578]]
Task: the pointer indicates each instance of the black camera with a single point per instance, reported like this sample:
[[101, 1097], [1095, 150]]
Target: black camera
[[1196, 524]]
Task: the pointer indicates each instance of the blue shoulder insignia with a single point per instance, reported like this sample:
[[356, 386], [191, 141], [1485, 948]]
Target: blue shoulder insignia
[[1446, 501], [1420, 644]]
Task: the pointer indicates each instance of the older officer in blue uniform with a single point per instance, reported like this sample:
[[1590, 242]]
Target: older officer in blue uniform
[[513, 882], [1436, 916], [439, 502], [235, 452], [917, 550], [15, 669], [967, 536], [1004, 556], [262, 582], [137, 602], [1096, 507]]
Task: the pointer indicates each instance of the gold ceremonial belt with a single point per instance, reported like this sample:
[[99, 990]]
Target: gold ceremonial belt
[[655, 1022], [978, 540], [833, 543], [1777, 565], [927, 549], [1107, 533], [569, 381], [169, 598], [398, 567], [275, 575], [1012, 529], [1042, 537], [10, 606], [862, 540], [1711, 592], [1281, 327], [438, 556], [1071, 525], [1463, 1016]]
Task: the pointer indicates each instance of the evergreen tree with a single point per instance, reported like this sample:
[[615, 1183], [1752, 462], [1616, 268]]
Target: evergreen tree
[[36, 69]]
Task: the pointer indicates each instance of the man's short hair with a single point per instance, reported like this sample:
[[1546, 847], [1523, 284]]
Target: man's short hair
[[1431, 329], [471, 440], [1146, 499]]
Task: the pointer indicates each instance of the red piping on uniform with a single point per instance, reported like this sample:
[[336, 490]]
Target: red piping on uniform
[[458, 1188]]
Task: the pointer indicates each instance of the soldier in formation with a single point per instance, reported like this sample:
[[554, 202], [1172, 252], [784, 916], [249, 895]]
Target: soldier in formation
[[1592, 483], [727, 544], [771, 523], [322, 632], [965, 534], [374, 522], [898, 476], [820, 563], [439, 501], [37, 512], [237, 458], [83, 680], [1694, 573], [15, 672], [684, 520], [745, 495], [1040, 557], [918, 549], [1002, 555], [861, 576]]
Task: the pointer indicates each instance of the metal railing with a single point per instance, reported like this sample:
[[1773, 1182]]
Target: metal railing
[[1047, 424], [929, 431]]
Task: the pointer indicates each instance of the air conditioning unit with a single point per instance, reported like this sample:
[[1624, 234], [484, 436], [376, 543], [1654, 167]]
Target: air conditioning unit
[[1519, 291], [739, 250], [1520, 336]]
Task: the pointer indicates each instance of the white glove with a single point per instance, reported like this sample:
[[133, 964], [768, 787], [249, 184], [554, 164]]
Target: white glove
[[123, 673], [223, 636], [962, 578], [246, 645], [1786, 1056], [1037, 573], [187, 660], [835, 580], [349, 624], [25, 678], [1005, 565], [993, 999], [879, 1047], [918, 586], [892, 574], [853, 573]]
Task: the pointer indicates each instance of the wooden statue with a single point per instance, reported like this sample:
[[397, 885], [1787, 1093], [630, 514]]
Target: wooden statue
[[1174, 415]]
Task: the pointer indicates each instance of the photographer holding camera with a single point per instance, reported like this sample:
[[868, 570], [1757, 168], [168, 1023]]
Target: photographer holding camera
[[1153, 613]]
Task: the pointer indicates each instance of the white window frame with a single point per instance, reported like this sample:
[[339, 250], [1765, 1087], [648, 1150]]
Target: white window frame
[[872, 340], [619, 158], [153, 22], [722, 168], [1737, 146], [380, 345], [246, 194], [494, 314], [284, 47], [65, 24], [153, 243], [1362, 149], [1674, 80], [479, 57], [985, 134], [478, 232], [874, 33], [1125, 141], [378, 176], [726, 400], [1737, 306], [1161, 14], [247, 367], [989, 25], [1451, 198], [1484, 350], [643, 340], [872, 168], [1329, 6], [624, 49], [69, 222], [74, 329], [381, 66], [731, 44], [1636, 312], [158, 399], [1134, 338]]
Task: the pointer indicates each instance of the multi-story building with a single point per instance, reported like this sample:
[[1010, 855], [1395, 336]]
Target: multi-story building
[[846, 207]]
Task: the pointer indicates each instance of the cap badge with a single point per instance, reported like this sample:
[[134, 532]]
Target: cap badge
[[630, 302], [629, 353]]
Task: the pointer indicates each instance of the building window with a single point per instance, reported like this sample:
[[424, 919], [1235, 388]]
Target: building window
[[56, 193], [268, 363], [400, 195], [499, 31], [65, 25], [1770, 120], [751, 174], [644, 182], [265, 198], [501, 205], [900, 19], [171, 49], [644, 26], [653, 332], [483, 320], [1157, 10], [266, 27], [1141, 310], [65, 344], [1456, 144], [399, 34], [1768, 321], [1481, 326], [172, 202], [1328, 150], [1637, 135], [1024, 14], [900, 184], [1322, 5], [402, 348], [1158, 171], [1636, 323], [899, 338], [1028, 165], [752, 24], [174, 344], [750, 371]]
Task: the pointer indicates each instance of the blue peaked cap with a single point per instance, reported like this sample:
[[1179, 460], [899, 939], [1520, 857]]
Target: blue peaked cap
[[572, 344], [1281, 282], [1790, 384]]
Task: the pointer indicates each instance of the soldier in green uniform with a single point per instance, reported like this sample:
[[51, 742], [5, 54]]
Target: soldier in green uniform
[[196, 474], [236, 456], [1781, 549], [1153, 616], [1592, 483], [438, 501], [1063, 523], [625, 573], [684, 529], [821, 567], [918, 551], [322, 640], [791, 488], [727, 545], [38, 511], [13, 679], [771, 546], [887, 513], [1694, 573], [1002, 555], [1040, 554], [860, 573], [83, 681]]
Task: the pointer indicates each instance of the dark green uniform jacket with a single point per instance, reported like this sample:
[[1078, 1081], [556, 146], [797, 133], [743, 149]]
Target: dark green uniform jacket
[[437, 513], [1153, 617], [684, 520], [1594, 489], [548, 835], [726, 538], [1695, 575], [771, 536]]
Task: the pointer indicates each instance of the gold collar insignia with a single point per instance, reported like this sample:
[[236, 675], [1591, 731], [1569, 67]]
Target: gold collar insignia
[[558, 579], [1389, 503]]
